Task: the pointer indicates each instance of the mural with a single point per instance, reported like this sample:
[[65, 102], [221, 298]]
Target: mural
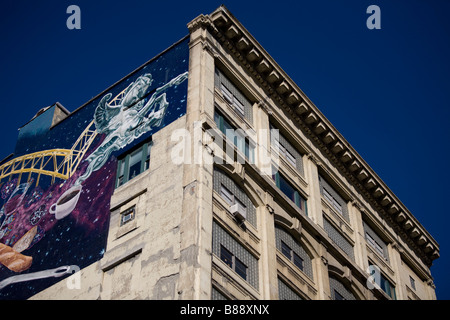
[[55, 193]]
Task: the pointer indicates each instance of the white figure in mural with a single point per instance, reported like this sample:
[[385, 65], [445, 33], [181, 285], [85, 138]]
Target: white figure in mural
[[129, 119]]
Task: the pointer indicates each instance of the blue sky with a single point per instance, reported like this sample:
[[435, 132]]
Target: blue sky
[[384, 90]]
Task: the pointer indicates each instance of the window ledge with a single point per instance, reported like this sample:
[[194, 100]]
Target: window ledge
[[126, 229], [120, 197]]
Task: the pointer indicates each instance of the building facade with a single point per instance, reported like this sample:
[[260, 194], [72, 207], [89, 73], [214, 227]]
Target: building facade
[[204, 174]]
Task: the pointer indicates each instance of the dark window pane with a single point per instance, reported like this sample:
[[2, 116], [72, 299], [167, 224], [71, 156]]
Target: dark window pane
[[241, 269], [147, 160], [338, 296], [121, 172], [120, 181], [217, 120], [127, 216], [134, 170], [287, 189], [298, 261], [226, 195], [226, 256], [135, 164], [286, 250]]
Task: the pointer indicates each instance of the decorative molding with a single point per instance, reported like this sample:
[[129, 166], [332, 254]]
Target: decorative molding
[[431, 284], [314, 159], [270, 209], [283, 91], [202, 21], [239, 170]]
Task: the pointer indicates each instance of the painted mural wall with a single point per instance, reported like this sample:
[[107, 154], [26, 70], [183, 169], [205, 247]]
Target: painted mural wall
[[55, 193]]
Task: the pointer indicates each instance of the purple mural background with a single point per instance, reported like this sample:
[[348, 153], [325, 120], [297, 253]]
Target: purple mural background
[[50, 227]]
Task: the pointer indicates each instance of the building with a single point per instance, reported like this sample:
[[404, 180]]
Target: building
[[204, 174]]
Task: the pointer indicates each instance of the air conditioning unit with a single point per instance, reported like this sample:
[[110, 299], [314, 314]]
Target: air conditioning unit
[[239, 212]]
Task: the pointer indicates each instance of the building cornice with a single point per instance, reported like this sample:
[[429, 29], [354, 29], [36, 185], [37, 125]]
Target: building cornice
[[282, 89]]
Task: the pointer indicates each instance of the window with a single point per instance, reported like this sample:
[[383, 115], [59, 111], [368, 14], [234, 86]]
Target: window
[[229, 197], [232, 193], [226, 256], [332, 197], [240, 268], [413, 282], [338, 296], [233, 262], [335, 204], [290, 191], [371, 241], [233, 96], [243, 144], [291, 255], [298, 261], [374, 241], [385, 284], [133, 164], [226, 195], [127, 216], [234, 255], [286, 150], [293, 250], [387, 287], [340, 291], [286, 250]]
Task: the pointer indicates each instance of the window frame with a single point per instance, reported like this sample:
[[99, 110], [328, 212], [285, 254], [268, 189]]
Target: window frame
[[292, 255], [374, 244], [375, 241], [247, 148], [282, 146], [332, 201], [123, 163], [233, 262], [385, 285], [412, 281], [129, 212], [338, 295], [297, 198], [228, 195], [233, 95]]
